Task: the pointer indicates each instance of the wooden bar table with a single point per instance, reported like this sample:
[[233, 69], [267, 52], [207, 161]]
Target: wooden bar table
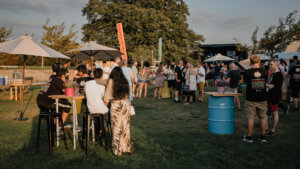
[[221, 112], [75, 127], [16, 88]]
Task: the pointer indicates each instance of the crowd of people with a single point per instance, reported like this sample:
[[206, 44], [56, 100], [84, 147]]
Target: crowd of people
[[111, 89]]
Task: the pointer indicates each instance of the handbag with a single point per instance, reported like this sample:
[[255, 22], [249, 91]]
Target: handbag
[[186, 88]]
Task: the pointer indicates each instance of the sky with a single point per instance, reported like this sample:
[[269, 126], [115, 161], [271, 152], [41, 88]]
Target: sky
[[219, 21]]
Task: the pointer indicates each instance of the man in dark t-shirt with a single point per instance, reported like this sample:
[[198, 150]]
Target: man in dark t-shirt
[[294, 74], [233, 80], [179, 80], [256, 101], [274, 94]]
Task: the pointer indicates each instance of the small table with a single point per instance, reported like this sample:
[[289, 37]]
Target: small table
[[221, 112], [75, 120], [17, 86]]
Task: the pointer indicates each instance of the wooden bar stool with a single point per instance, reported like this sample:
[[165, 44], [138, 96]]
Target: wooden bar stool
[[90, 118]]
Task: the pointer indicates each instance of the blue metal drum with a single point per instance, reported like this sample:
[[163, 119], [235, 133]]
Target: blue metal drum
[[221, 114]]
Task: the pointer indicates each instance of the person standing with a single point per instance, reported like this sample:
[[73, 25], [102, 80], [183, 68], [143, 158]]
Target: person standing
[[293, 64], [256, 101], [66, 67], [106, 70], [274, 94], [129, 76], [159, 81], [233, 80], [145, 79], [135, 72], [294, 74], [191, 83], [171, 80], [117, 92], [201, 81], [179, 80], [116, 63]]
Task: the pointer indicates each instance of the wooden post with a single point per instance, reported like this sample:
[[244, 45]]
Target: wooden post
[[20, 118], [16, 93], [11, 93]]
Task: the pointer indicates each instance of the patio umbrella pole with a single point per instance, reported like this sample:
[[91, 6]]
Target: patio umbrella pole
[[21, 118]]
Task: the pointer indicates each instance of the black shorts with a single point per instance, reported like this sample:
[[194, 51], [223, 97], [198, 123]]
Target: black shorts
[[172, 83], [295, 92], [178, 86]]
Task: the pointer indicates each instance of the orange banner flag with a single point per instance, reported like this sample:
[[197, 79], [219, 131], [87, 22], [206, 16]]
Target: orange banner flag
[[121, 40]]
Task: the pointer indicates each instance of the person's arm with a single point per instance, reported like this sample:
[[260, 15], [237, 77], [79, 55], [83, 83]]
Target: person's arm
[[133, 80], [201, 73], [176, 77], [109, 91]]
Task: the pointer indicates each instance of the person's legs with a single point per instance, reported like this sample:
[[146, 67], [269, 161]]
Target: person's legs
[[250, 127], [155, 92], [133, 89], [295, 102], [64, 116], [237, 101], [141, 90], [250, 110], [176, 95], [159, 92], [262, 108], [146, 90], [276, 120]]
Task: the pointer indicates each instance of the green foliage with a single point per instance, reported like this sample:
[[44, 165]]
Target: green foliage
[[143, 23], [56, 38], [7, 59], [70, 84], [5, 33], [277, 37], [254, 41]]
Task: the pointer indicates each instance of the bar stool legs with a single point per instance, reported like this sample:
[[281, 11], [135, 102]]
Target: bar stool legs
[[88, 119]]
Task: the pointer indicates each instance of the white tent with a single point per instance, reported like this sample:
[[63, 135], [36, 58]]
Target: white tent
[[219, 57]]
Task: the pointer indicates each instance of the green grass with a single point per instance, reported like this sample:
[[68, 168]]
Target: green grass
[[166, 135]]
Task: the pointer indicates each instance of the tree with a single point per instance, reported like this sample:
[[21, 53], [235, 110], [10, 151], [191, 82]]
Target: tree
[[56, 38], [277, 38], [255, 42], [143, 23], [5, 33], [7, 59]]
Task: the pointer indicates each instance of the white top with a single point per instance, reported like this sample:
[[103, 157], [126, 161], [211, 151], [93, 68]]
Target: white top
[[106, 72], [114, 65], [171, 74], [201, 78], [94, 96]]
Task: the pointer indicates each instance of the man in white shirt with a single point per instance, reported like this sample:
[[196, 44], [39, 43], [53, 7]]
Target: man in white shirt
[[116, 63], [201, 81], [95, 93], [106, 70]]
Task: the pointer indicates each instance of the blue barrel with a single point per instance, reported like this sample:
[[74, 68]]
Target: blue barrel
[[221, 114]]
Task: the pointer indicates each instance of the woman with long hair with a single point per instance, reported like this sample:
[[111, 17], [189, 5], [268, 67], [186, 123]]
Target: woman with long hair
[[117, 92], [159, 81], [145, 79]]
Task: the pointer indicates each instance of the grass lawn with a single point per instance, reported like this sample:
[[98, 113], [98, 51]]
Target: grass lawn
[[166, 135]]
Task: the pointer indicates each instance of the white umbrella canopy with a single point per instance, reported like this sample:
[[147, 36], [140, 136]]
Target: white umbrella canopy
[[91, 50], [219, 57], [25, 45]]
